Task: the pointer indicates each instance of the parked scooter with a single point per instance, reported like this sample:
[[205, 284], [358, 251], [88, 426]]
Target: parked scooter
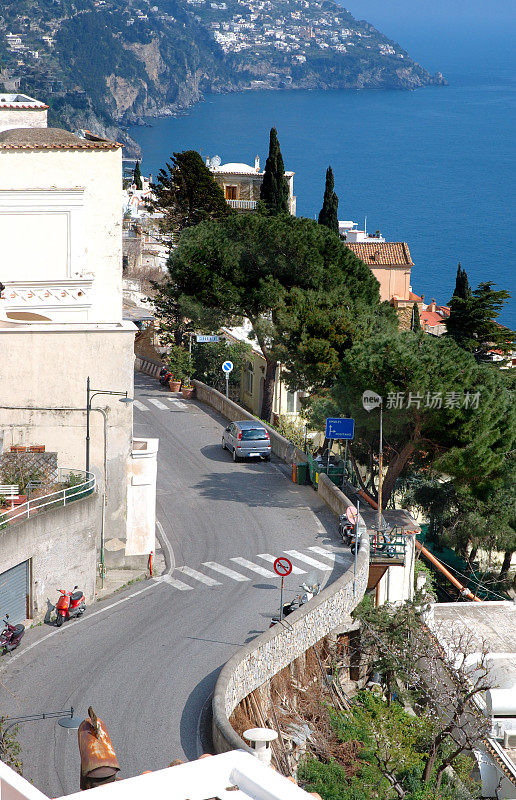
[[311, 589], [70, 605], [165, 376], [11, 636], [346, 529]]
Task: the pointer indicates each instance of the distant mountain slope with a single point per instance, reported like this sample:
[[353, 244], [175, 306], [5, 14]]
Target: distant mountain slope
[[107, 63]]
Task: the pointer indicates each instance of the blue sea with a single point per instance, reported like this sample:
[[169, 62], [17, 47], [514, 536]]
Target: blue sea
[[433, 167]]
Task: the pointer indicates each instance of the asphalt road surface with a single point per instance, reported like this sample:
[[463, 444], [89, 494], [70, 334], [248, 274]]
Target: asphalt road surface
[[147, 659]]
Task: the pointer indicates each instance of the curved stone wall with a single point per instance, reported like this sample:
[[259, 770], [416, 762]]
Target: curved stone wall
[[275, 649]]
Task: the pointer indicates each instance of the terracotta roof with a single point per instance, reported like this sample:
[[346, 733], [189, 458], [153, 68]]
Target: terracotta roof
[[50, 139], [430, 318], [392, 254], [415, 297]]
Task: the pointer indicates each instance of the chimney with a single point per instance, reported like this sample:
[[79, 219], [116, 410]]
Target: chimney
[[207, 161], [257, 163], [431, 306]]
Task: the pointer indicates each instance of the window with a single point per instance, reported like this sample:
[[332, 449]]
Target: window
[[253, 434], [291, 402], [231, 192], [249, 378]]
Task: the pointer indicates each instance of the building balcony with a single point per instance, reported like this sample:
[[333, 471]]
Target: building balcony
[[52, 299], [243, 205]]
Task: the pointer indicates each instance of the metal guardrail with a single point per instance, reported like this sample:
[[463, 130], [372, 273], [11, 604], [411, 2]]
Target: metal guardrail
[[62, 497]]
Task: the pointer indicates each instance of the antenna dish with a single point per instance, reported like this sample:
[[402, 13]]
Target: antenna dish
[[216, 161]]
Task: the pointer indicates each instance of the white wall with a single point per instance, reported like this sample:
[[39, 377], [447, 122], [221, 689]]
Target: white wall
[[60, 217], [49, 368], [141, 498]]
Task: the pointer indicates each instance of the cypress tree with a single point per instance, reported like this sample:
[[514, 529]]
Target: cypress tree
[[274, 189], [462, 288], [415, 323], [137, 176], [328, 214]]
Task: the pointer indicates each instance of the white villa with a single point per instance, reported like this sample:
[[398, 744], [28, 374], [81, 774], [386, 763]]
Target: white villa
[[241, 183]]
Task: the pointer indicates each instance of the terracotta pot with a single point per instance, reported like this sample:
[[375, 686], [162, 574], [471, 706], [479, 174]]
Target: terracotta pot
[[174, 386], [187, 392]]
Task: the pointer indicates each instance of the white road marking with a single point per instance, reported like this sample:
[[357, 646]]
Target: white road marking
[[183, 587], [236, 576], [81, 622], [307, 560], [254, 567], [177, 403], [192, 573], [331, 556], [139, 406], [158, 404], [272, 559]]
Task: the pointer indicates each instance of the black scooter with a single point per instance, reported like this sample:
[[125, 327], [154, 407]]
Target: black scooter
[[11, 636]]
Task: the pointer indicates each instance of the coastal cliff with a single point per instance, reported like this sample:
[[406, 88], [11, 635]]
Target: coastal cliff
[[106, 64]]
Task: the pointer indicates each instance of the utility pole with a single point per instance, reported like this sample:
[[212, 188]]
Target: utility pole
[[380, 469]]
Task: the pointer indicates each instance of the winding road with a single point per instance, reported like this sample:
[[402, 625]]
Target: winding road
[[147, 659]]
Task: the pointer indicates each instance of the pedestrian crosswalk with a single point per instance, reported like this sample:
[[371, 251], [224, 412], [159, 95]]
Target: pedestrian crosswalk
[[246, 570], [171, 404]]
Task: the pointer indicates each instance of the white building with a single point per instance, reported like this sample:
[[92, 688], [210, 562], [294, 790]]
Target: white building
[[488, 627], [61, 309], [20, 111], [241, 183]]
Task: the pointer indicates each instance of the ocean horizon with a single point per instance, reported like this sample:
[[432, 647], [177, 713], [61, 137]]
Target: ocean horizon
[[432, 167]]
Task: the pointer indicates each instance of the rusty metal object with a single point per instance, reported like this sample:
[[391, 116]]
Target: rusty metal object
[[99, 763]]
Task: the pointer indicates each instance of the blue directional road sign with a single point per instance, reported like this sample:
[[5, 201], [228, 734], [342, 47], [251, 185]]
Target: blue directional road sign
[[227, 366], [340, 428], [202, 338]]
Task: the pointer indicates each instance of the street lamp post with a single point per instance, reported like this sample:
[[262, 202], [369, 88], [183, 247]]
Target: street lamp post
[[380, 470], [90, 394], [65, 718], [123, 398]]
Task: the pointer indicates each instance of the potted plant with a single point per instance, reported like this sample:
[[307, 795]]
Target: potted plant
[[179, 366], [187, 389]]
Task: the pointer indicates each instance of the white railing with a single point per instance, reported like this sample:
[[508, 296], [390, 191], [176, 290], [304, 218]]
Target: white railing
[[85, 486], [244, 205]]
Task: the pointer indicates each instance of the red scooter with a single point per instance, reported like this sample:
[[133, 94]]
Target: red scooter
[[11, 636], [70, 605]]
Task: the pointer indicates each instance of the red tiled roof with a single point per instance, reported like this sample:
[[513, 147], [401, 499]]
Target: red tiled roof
[[415, 297], [430, 318], [392, 254]]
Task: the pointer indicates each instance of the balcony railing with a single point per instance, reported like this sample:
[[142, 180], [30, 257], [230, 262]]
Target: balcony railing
[[82, 485], [387, 546], [243, 205]]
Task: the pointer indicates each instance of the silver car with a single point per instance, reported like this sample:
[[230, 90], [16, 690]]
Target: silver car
[[247, 439]]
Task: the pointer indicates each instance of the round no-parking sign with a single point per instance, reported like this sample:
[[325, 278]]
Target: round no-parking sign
[[282, 567], [227, 366]]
